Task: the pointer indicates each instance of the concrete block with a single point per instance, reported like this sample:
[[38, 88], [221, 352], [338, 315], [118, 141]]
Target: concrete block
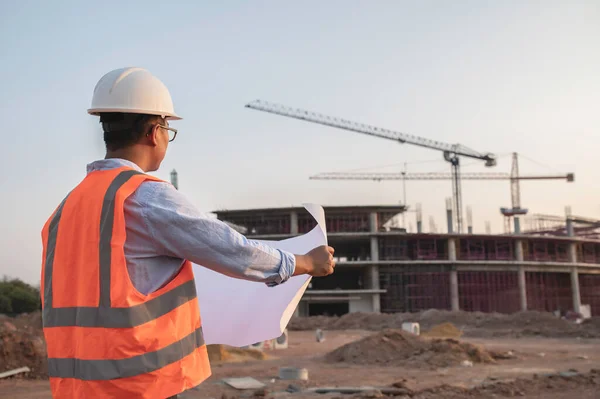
[[413, 328], [293, 373], [586, 311]]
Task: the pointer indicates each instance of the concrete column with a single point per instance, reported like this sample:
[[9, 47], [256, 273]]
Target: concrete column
[[451, 249], [454, 303], [572, 252], [574, 273], [521, 274], [373, 274], [519, 257], [294, 222], [574, 277], [522, 287], [517, 224], [454, 290], [373, 222], [575, 289], [570, 229], [374, 249]]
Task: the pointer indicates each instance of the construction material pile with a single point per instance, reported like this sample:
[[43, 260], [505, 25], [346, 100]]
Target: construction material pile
[[444, 330], [22, 345], [398, 348], [228, 354], [472, 324]]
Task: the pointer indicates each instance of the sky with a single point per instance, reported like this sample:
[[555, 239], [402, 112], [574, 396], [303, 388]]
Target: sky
[[495, 76]]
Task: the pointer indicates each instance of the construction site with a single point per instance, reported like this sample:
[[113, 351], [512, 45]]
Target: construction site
[[430, 314], [550, 264], [382, 269]]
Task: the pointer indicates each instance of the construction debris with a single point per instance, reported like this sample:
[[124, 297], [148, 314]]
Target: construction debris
[[444, 330], [524, 387], [359, 390], [243, 383], [319, 335], [413, 328], [293, 373], [22, 346], [15, 372], [228, 354]]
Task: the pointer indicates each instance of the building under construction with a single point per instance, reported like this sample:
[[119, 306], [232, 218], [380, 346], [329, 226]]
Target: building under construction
[[382, 268]]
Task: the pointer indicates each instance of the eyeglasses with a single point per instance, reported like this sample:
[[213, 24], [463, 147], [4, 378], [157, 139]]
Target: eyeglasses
[[172, 132]]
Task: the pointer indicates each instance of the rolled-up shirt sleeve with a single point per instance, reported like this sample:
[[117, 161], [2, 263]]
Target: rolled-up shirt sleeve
[[180, 230]]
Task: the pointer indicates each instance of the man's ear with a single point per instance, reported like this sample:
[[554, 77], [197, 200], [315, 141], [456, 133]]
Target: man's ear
[[152, 136]]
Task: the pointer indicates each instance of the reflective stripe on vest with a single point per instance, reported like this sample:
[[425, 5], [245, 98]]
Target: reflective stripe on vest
[[111, 369], [119, 317], [106, 316]]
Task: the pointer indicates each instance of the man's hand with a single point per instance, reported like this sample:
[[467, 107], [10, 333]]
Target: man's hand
[[317, 263]]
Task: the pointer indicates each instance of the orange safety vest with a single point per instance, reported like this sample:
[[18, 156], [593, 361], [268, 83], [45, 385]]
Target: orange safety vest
[[104, 338]]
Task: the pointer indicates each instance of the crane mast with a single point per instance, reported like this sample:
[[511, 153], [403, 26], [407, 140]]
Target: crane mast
[[451, 152]]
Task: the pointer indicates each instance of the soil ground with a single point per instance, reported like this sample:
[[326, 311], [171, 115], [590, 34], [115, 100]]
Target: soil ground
[[524, 374]]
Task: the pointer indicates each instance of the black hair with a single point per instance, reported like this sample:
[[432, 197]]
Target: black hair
[[122, 130]]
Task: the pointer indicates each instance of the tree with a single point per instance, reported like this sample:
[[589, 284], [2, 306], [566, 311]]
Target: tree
[[17, 296], [5, 304]]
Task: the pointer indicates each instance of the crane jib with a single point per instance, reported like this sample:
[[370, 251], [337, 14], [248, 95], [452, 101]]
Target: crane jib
[[451, 151]]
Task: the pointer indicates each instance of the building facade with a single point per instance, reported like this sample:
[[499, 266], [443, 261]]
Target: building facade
[[381, 268]]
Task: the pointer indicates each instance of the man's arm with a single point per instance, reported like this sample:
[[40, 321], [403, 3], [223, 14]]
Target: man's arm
[[178, 229]]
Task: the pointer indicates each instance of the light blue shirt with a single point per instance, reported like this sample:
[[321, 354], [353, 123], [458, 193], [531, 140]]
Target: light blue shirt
[[164, 228]]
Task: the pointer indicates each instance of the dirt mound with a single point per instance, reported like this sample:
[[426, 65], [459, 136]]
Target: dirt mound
[[31, 322], [472, 324], [22, 344], [593, 323], [444, 330], [578, 385], [228, 354], [397, 347], [19, 348], [349, 321]]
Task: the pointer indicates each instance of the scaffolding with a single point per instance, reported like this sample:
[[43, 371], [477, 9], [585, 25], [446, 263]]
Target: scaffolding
[[548, 291], [545, 251], [551, 225], [472, 249], [348, 222], [479, 248], [413, 289], [590, 294], [500, 250], [393, 249], [261, 223], [588, 252], [493, 291]]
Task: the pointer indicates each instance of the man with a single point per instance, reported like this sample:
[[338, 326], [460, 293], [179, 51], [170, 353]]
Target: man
[[120, 312]]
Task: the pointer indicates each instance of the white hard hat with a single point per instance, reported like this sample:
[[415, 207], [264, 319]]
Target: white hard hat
[[132, 90]]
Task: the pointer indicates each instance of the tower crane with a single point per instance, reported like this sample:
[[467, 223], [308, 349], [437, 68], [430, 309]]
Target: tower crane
[[451, 152], [514, 177]]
